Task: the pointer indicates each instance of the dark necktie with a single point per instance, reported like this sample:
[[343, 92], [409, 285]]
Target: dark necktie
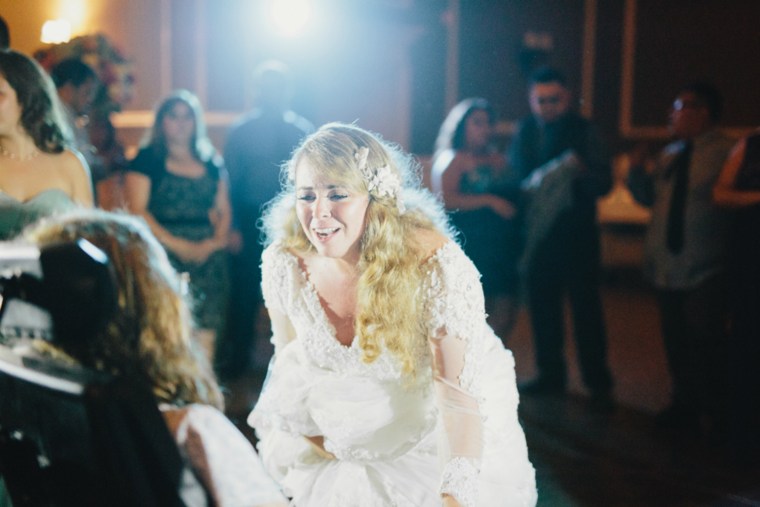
[[679, 171]]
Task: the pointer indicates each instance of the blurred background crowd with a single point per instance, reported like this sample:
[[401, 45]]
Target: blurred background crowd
[[569, 140]]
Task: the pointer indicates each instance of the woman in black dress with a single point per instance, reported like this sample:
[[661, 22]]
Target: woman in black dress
[[178, 184], [470, 175]]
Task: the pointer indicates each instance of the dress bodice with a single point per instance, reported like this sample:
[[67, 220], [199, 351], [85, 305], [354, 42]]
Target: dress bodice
[[15, 214], [288, 289], [181, 204], [480, 180]]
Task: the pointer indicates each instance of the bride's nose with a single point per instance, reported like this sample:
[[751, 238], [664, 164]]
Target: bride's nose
[[323, 208]]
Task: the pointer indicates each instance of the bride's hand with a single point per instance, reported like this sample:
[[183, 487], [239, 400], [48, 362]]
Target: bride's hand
[[318, 443], [450, 501]]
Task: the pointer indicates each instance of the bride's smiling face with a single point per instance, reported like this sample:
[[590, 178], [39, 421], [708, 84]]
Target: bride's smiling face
[[331, 214]]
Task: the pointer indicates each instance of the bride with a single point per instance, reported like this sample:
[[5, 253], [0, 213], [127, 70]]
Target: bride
[[387, 387]]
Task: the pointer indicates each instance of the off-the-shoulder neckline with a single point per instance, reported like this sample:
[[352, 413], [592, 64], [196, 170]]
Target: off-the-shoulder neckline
[[36, 196], [311, 289]]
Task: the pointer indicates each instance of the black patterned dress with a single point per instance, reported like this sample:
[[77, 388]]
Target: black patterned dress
[[181, 205], [487, 238]]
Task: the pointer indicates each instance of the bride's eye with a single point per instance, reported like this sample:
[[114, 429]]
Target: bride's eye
[[306, 197]]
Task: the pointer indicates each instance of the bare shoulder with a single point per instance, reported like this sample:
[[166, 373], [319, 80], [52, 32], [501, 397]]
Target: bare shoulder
[[73, 163], [429, 241], [460, 160], [448, 161], [76, 172]]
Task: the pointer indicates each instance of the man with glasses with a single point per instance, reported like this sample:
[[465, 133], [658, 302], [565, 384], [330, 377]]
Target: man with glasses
[[563, 166], [685, 258]]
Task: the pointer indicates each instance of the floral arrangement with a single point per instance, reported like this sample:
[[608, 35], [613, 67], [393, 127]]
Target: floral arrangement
[[114, 70]]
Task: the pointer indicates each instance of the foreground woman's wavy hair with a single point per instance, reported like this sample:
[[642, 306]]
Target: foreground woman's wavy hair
[[149, 338], [390, 313]]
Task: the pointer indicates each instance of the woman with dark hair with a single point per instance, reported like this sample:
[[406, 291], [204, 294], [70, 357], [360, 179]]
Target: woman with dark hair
[[39, 173], [469, 174], [178, 184]]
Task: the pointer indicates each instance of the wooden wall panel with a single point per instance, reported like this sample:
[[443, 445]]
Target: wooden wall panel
[[669, 44]]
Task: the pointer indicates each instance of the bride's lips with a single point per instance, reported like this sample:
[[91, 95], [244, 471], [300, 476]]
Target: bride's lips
[[324, 233]]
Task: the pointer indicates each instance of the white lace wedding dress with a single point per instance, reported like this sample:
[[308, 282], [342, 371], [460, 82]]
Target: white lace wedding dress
[[399, 442]]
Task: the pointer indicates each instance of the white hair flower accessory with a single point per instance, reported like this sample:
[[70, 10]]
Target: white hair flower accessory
[[381, 182]]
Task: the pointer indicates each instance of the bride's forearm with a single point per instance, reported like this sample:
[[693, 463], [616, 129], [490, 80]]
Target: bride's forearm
[[450, 501], [318, 443]]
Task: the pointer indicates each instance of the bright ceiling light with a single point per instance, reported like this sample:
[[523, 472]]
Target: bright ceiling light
[[56, 31], [290, 17], [75, 11]]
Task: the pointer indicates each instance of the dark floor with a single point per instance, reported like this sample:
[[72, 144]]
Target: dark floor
[[585, 458]]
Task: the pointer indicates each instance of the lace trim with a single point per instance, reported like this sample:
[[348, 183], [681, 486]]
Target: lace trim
[[298, 294], [460, 480], [273, 277], [455, 302]]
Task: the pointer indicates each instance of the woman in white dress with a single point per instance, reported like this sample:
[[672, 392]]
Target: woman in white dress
[[387, 387]]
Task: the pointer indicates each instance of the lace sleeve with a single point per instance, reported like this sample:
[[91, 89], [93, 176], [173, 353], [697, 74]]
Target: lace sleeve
[[456, 323], [277, 278]]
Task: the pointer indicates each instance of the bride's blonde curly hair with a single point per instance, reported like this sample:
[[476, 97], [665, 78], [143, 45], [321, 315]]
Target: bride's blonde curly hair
[[389, 305]]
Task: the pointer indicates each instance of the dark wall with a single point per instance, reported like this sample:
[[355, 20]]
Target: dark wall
[[496, 53], [679, 41], [675, 42], [494, 58], [500, 42], [608, 69]]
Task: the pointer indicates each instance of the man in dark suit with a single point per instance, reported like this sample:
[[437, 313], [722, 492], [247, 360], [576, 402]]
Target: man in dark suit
[[563, 165], [256, 147]]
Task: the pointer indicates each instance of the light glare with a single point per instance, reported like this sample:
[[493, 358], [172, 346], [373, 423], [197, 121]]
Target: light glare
[[74, 11], [56, 31], [290, 17]]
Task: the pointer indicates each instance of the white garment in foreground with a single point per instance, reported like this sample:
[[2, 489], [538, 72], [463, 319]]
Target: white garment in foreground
[[220, 458], [399, 443]]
